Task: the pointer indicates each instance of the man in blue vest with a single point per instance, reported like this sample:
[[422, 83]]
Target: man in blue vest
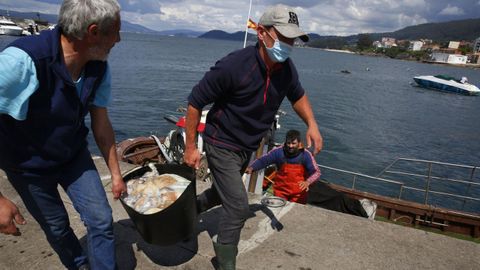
[[48, 84]]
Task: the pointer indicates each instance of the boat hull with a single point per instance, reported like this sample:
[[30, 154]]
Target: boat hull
[[11, 31], [419, 215], [140, 150], [431, 82]]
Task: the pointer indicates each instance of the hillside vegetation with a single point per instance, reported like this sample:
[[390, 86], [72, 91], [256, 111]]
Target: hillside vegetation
[[467, 30]]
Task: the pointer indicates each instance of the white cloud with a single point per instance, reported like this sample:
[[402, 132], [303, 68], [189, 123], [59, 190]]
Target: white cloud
[[141, 6], [325, 17], [29, 6], [345, 17], [451, 10], [200, 16], [413, 3]]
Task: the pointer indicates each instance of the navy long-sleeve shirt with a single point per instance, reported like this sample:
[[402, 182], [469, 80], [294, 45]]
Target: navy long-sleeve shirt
[[245, 96]]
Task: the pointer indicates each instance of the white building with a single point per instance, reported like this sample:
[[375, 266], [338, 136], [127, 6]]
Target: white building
[[457, 59], [476, 45], [449, 58], [415, 45], [388, 42], [453, 45]]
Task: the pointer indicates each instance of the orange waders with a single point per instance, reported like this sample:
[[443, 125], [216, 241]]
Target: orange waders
[[287, 182]]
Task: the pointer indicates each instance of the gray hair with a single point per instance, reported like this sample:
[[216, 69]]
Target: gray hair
[[76, 15]]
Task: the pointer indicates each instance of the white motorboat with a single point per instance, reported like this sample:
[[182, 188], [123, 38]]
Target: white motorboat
[[8, 27], [448, 84]]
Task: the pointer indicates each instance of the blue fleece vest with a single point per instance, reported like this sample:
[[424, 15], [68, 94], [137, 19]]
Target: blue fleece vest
[[54, 131]]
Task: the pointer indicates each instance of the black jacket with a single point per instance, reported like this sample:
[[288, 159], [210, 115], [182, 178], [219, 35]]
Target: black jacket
[[245, 97]]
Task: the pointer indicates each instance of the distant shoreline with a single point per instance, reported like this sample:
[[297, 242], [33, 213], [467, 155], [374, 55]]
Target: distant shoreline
[[340, 51], [468, 65]]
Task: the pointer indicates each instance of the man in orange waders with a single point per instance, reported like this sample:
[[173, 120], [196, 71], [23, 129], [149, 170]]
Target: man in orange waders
[[296, 179], [297, 168]]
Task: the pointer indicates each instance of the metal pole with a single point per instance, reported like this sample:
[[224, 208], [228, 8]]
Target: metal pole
[[253, 178], [354, 180], [246, 25], [472, 174], [469, 187], [427, 188]]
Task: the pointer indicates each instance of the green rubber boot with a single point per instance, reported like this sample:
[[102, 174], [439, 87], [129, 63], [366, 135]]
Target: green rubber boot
[[226, 255]]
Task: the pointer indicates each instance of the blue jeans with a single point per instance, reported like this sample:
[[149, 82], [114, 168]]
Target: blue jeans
[[82, 183]]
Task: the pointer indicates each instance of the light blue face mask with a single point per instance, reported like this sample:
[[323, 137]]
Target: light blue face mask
[[280, 50]]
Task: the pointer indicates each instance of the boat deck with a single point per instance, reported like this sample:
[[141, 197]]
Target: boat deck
[[292, 237]]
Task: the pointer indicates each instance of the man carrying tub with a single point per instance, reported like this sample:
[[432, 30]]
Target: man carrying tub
[[246, 88], [48, 84]]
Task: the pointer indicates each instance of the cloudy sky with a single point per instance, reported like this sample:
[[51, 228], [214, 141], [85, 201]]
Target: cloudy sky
[[324, 17]]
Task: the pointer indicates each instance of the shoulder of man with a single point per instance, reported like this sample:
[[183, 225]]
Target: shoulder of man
[[305, 153], [291, 68], [38, 47], [277, 150], [237, 58]]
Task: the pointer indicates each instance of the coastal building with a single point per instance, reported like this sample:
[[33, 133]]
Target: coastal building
[[453, 45], [440, 57], [476, 45], [430, 47], [474, 58], [415, 45], [426, 41], [386, 42], [447, 50]]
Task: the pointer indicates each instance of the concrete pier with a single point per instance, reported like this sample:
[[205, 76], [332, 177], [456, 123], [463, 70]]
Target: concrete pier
[[291, 237]]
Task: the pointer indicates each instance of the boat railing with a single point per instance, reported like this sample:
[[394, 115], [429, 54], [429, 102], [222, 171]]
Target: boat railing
[[429, 176], [393, 175], [356, 176]]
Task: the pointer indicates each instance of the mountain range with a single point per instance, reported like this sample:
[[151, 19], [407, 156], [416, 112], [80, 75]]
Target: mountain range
[[126, 26], [468, 30]]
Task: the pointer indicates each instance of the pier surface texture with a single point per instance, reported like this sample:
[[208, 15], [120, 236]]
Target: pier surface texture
[[291, 237]]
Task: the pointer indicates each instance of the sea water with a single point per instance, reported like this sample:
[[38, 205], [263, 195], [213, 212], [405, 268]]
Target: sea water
[[368, 117]]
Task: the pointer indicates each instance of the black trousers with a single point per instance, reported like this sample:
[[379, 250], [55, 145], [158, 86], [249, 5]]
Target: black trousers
[[320, 194], [227, 168]]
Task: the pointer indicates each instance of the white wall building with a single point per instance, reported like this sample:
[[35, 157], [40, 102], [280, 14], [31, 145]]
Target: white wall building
[[476, 45], [457, 59], [415, 45], [386, 42], [453, 45], [449, 58], [440, 57]]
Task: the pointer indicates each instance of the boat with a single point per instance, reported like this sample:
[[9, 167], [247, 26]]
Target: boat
[[166, 149], [8, 27], [447, 84], [420, 193], [422, 204]]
